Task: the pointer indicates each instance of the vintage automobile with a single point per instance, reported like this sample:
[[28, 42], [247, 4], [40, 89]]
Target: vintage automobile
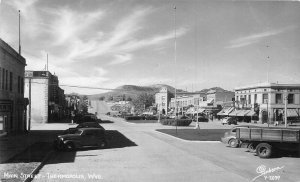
[[83, 125], [229, 120], [82, 137]]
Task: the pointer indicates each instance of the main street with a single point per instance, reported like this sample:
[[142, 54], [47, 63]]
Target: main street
[[159, 157]]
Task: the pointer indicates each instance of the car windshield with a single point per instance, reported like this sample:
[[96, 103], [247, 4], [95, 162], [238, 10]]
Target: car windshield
[[78, 132]]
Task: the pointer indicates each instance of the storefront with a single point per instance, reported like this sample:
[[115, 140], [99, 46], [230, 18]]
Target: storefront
[[5, 116]]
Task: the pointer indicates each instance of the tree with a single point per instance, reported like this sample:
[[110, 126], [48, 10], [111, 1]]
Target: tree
[[143, 101], [83, 104]]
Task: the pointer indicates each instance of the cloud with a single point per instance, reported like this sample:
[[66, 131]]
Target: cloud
[[70, 25], [121, 59], [255, 38]]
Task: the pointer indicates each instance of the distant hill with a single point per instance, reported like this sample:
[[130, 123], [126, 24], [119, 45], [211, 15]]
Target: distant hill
[[132, 91], [213, 88]]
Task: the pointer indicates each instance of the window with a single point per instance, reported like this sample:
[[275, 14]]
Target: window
[[265, 98], [3, 78], [10, 81], [6, 79], [22, 85], [19, 84], [278, 98], [255, 98], [249, 99], [291, 99], [237, 98]]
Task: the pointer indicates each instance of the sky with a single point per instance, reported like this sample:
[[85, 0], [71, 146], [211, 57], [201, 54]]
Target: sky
[[200, 44]]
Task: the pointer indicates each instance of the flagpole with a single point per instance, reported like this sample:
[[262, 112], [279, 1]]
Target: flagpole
[[175, 62], [19, 32]]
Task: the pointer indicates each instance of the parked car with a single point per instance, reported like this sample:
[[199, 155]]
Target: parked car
[[83, 137], [83, 125], [202, 119], [229, 120]]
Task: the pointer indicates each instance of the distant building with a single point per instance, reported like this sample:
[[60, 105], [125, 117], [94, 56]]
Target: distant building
[[268, 99], [12, 102], [188, 99], [162, 100], [47, 98], [219, 97]]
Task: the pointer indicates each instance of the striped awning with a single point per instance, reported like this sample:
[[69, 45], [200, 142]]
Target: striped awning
[[242, 112], [251, 113], [225, 111], [233, 113], [292, 113]]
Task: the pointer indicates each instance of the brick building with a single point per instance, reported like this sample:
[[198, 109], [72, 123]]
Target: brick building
[[12, 102]]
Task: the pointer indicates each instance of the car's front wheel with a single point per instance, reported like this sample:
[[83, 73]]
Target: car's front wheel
[[69, 146]]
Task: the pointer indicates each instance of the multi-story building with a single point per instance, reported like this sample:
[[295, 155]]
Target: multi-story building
[[188, 99], [12, 102], [269, 100], [46, 97], [162, 100], [219, 97]]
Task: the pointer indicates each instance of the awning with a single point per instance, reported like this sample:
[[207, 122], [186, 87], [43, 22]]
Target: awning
[[209, 101], [242, 112], [251, 113], [292, 113], [234, 113], [225, 111], [229, 110], [200, 110]]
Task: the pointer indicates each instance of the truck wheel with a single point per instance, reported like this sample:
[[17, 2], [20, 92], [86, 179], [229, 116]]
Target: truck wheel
[[233, 143], [264, 150], [251, 147], [69, 146]]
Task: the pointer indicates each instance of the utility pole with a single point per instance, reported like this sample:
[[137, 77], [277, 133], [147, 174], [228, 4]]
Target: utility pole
[[268, 65], [285, 108], [29, 109], [19, 32]]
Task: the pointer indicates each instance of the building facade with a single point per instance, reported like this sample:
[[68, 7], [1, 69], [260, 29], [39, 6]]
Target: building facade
[[46, 97], [220, 97], [12, 102], [162, 100], [269, 100]]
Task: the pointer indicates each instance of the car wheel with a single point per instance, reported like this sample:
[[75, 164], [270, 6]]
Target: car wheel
[[264, 150], [69, 146], [102, 144], [233, 143]]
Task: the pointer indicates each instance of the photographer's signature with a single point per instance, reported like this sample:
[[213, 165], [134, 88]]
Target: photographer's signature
[[263, 171]]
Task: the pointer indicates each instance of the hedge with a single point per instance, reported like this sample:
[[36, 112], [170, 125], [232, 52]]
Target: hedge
[[180, 122], [134, 117]]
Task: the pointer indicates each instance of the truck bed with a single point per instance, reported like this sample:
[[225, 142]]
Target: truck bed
[[290, 135]]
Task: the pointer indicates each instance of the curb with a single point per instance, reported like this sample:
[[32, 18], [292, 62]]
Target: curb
[[36, 170], [188, 141]]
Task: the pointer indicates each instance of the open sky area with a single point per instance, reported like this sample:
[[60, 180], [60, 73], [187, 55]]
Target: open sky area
[[109, 43]]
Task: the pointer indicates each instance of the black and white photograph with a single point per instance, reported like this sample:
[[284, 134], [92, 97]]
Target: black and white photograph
[[149, 90]]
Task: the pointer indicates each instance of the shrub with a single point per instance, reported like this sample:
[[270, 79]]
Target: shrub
[[134, 117], [180, 122]]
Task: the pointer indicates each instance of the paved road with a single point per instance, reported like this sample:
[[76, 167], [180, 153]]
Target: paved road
[[158, 157]]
